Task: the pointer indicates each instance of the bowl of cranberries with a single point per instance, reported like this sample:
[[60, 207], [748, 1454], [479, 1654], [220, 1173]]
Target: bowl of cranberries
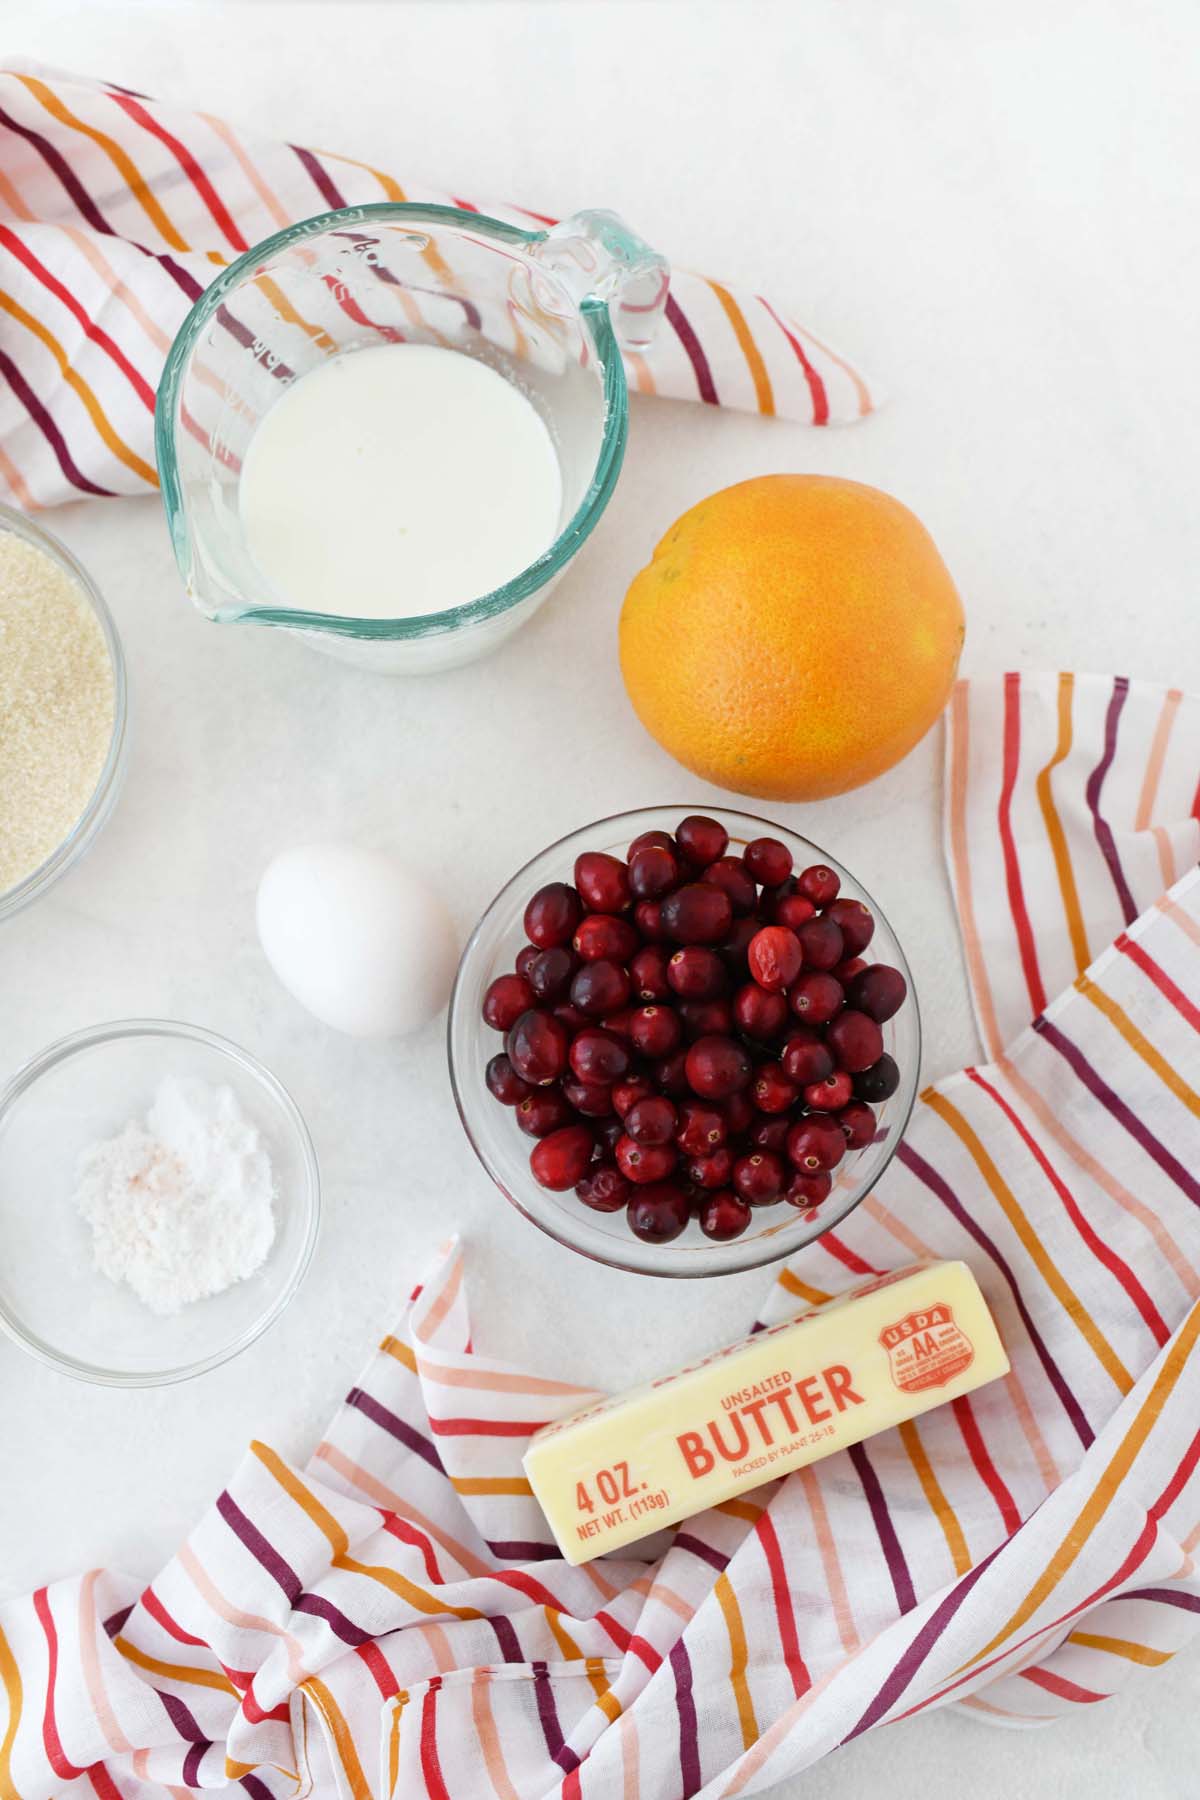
[[684, 1043]]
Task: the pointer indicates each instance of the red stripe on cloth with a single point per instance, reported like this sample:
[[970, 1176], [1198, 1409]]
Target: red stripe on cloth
[[354, 311], [1179, 1480], [1012, 867], [844, 1254], [485, 1427], [571, 1789], [103, 1783], [374, 1659], [679, 323], [1162, 981], [188, 164], [816, 387], [785, 1617], [627, 1640], [322, 180], [38, 270], [161, 1616], [59, 1761], [985, 1468], [431, 1768], [49, 429], [1062, 1688], [1116, 1266], [408, 1534]]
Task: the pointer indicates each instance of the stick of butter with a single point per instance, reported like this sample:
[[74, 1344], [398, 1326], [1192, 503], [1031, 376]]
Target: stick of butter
[[869, 1359]]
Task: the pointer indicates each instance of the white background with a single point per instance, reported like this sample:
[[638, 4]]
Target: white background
[[994, 209]]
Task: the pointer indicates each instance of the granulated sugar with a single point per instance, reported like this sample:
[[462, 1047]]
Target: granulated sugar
[[56, 706], [180, 1206]]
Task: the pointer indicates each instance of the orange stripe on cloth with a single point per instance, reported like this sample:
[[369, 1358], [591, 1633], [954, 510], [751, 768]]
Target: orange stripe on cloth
[[1141, 1045], [16, 482], [286, 310], [1054, 830], [792, 1284], [248, 169], [763, 392], [452, 1282], [1059, 1286], [208, 1678], [1124, 1647], [489, 1737], [10, 1677], [119, 157], [739, 1658], [1107, 1486], [347, 1755], [936, 1500], [959, 729], [491, 1484], [400, 1352], [95, 411], [387, 1498], [502, 1381]]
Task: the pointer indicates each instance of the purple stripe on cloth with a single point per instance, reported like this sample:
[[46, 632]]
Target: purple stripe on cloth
[[543, 1693], [1101, 826], [685, 1541], [695, 351], [321, 179], [191, 1765], [685, 1705], [937, 1185], [1099, 1088], [395, 1427], [285, 1576], [506, 1637], [115, 1622], [893, 1555], [242, 334], [1168, 1597], [54, 158], [49, 430], [338, 1623], [919, 1648], [518, 1550], [258, 1788], [182, 1719]]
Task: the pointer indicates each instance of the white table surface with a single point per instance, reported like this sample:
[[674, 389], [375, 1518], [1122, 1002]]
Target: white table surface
[[993, 209]]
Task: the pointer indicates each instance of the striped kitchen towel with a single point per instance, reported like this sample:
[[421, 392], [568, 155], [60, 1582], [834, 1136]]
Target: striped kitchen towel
[[116, 211], [392, 1620]]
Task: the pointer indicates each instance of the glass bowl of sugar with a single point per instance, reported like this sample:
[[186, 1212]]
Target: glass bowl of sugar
[[62, 711], [159, 1202]]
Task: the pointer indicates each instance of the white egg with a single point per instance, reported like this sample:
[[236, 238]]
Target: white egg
[[356, 938]]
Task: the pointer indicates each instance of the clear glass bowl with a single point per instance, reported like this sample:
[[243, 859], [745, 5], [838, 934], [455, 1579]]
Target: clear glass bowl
[[775, 1231], [85, 829], [53, 1301]]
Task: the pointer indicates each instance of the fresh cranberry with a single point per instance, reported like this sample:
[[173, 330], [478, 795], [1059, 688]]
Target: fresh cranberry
[[605, 1190], [759, 1015], [879, 991], [821, 942], [506, 999], [706, 1018], [543, 1111], [858, 1125], [770, 1133], [603, 882], [700, 1130], [733, 949], [761, 1177], [856, 1041], [775, 958], [648, 973], [504, 1084], [879, 1082], [815, 998], [697, 974], [552, 915], [651, 840], [829, 1095], [525, 959], [550, 973], [537, 1047], [769, 861], [771, 1091], [715, 1170], [647, 916], [626, 1093], [815, 1144], [609, 1133], [619, 1023], [655, 1031], [598, 1056], [653, 872], [856, 923], [658, 1213], [570, 1017], [599, 988], [591, 1098], [696, 913], [671, 1075], [739, 1113], [723, 1216], [601, 935], [645, 1162], [651, 1121], [561, 1159], [793, 910], [803, 1191], [818, 884], [846, 971], [717, 1066], [701, 840], [805, 1058], [730, 874]]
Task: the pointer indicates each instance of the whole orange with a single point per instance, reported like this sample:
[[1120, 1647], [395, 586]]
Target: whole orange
[[792, 636]]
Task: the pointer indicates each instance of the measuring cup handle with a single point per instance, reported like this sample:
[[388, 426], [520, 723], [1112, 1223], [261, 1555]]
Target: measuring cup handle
[[598, 258]]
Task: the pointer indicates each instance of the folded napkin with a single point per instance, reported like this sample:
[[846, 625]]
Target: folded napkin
[[116, 211], [393, 1619]]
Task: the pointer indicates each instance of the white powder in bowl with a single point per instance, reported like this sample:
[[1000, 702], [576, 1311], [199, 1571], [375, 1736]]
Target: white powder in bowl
[[180, 1206]]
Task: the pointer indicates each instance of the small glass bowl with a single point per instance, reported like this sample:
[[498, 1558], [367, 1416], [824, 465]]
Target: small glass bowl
[[53, 1301], [775, 1231], [85, 829]]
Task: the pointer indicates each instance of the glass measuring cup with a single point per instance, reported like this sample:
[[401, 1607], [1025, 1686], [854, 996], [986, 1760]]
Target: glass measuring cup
[[549, 310]]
